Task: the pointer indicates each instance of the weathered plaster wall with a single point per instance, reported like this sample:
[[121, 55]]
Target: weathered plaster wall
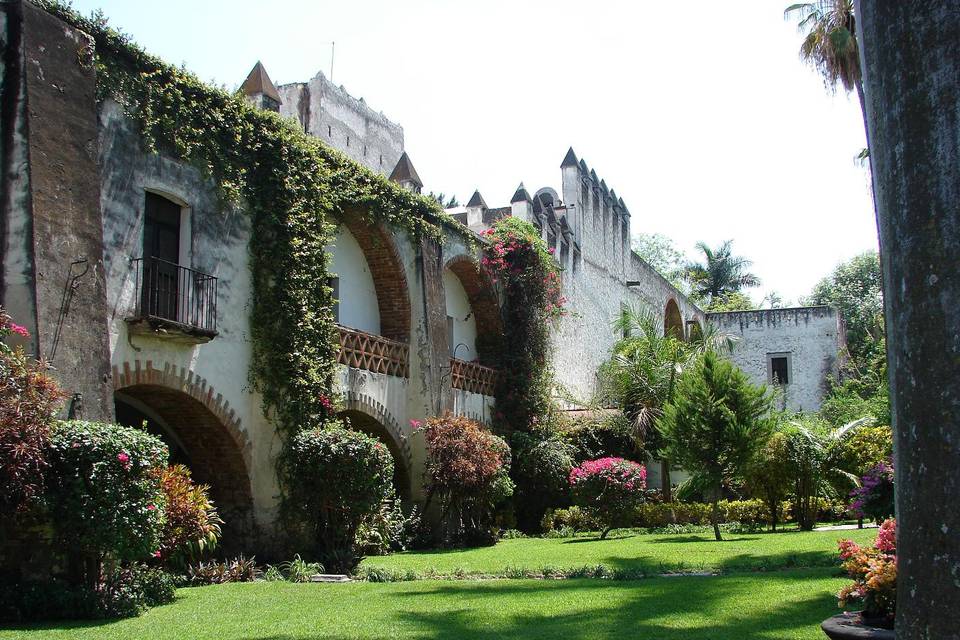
[[328, 112], [358, 308], [464, 323], [812, 336]]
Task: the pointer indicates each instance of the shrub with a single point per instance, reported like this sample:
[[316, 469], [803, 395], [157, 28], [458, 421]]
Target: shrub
[[157, 586], [239, 569], [874, 497], [807, 457], [592, 438], [874, 573], [387, 529], [467, 473], [610, 489], [104, 495], [574, 517], [29, 398], [335, 479], [296, 570], [541, 473], [768, 476], [191, 525]]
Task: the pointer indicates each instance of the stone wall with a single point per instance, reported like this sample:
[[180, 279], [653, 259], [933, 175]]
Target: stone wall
[[812, 338], [328, 112]]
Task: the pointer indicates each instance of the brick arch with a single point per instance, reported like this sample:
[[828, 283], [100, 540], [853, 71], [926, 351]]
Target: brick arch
[[484, 305], [371, 417], [672, 320], [203, 424], [389, 276]]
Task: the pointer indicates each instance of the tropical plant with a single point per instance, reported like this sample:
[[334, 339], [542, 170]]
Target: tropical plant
[[720, 274], [191, 524], [807, 458], [336, 479], [768, 476], [641, 376], [610, 490], [239, 569], [104, 495], [874, 573], [467, 472], [716, 423], [874, 498]]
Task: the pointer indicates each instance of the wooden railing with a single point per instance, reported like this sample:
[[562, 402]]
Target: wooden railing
[[374, 353], [473, 377]]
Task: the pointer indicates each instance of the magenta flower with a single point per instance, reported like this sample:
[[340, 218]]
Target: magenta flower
[[19, 329]]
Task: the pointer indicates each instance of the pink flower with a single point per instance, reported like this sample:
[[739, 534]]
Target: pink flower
[[887, 537], [156, 554], [19, 329], [415, 424], [551, 251], [151, 507], [123, 457]]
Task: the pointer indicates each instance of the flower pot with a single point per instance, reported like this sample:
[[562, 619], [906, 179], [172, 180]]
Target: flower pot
[[850, 626]]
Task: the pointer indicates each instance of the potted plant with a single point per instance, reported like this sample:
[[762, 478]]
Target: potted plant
[[874, 573]]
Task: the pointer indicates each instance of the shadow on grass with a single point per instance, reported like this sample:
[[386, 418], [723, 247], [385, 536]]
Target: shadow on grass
[[598, 539], [701, 538]]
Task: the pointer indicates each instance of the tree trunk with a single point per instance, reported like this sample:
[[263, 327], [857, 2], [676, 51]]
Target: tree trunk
[[715, 518], [665, 488], [911, 59]]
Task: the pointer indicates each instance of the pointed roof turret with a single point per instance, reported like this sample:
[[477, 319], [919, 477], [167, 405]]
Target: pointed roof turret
[[583, 165], [521, 195], [603, 187], [476, 200], [569, 160], [259, 82], [405, 172], [593, 176]]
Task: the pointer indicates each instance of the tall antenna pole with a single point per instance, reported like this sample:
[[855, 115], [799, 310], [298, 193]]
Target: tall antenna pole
[[333, 46]]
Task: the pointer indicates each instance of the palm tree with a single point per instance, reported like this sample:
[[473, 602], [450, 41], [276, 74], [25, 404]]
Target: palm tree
[[721, 273], [642, 375], [830, 44]]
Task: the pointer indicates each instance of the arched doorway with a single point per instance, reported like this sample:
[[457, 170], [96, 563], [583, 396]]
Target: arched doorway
[[467, 288], [361, 421], [672, 320], [201, 434]]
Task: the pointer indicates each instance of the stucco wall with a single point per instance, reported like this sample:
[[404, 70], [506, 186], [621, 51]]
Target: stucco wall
[[812, 336], [464, 323], [328, 112], [358, 307]]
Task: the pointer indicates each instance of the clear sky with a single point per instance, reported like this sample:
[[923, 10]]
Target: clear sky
[[699, 114]]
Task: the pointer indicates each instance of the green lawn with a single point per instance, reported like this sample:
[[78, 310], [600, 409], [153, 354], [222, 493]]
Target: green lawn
[[779, 605], [649, 554]]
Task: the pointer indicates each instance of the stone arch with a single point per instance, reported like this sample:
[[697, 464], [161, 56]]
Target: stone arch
[[484, 305], [389, 276], [672, 320], [202, 430], [371, 417], [694, 330]]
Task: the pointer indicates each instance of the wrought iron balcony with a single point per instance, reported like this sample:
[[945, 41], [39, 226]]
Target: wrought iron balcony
[[174, 300], [374, 353], [473, 377]]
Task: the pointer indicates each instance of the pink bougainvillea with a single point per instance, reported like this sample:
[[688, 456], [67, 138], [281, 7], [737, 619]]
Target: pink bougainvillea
[[610, 488], [874, 573]]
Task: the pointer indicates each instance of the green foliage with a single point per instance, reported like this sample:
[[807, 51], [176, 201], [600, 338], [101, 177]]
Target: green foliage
[[541, 473], [661, 253], [104, 498], [191, 522], [240, 569], [596, 437], [860, 450], [296, 570], [731, 301], [717, 421], [830, 41], [335, 480], [388, 529], [294, 189], [721, 273], [768, 476], [807, 456]]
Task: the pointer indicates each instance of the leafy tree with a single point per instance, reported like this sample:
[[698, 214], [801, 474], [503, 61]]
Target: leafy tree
[[768, 475], [661, 253], [641, 376], [734, 301], [716, 423], [610, 490], [721, 273], [807, 465]]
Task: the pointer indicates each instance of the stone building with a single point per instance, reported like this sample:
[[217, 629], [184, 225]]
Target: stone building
[[135, 281]]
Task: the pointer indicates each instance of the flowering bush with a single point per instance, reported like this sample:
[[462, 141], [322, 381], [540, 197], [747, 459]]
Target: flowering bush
[[104, 494], [467, 472], [611, 489], [336, 479], [192, 524], [874, 497], [29, 398], [874, 573]]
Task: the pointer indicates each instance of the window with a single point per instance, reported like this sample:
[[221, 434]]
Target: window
[[450, 343], [778, 368], [348, 141], [329, 131], [334, 283]]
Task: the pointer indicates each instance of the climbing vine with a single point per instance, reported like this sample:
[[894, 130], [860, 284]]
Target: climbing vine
[[293, 187]]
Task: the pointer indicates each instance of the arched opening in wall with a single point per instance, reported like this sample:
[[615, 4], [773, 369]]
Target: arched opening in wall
[[365, 423], [475, 330], [694, 331], [370, 280], [198, 439], [672, 320]]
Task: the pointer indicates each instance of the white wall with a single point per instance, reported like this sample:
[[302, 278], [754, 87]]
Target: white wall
[[358, 295], [458, 307]]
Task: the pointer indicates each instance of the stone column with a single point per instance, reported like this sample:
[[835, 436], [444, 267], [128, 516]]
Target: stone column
[[911, 59]]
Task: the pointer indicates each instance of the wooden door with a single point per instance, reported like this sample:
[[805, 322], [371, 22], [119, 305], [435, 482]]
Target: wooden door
[[161, 258]]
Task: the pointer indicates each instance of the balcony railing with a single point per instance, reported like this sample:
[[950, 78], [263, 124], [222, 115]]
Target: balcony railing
[[374, 353], [473, 377], [176, 298]]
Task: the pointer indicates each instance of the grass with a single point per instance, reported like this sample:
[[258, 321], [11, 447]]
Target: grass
[[785, 604], [630, 554]]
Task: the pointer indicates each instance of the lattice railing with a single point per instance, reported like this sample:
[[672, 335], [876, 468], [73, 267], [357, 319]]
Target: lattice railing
[[374, 353], [473, 377]]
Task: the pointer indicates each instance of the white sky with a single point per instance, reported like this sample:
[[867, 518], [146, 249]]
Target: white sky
[[699, 114]]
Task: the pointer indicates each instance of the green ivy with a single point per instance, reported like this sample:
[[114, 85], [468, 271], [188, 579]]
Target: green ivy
[[294, 188]]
